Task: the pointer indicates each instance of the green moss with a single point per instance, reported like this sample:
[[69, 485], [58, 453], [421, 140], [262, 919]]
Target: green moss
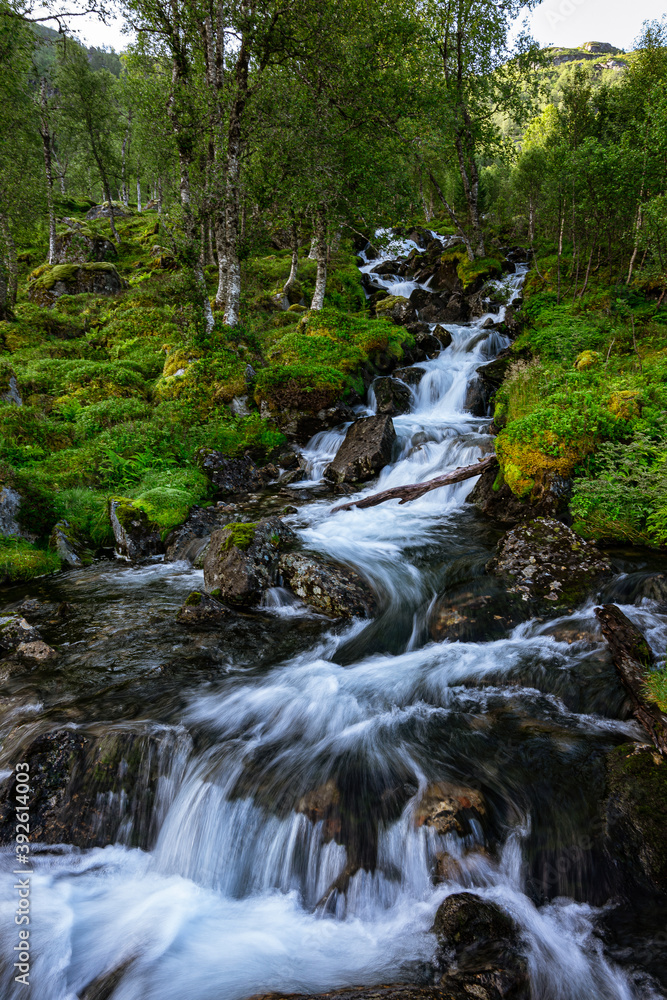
[[241, 536], [45, 277], [20, 560], [193, 600], [476, 272]]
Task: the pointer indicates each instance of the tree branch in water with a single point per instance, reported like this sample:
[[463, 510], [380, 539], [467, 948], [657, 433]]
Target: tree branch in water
[[407, 493]]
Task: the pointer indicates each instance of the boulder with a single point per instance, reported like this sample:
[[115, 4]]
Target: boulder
[[411, 376], [102, 211], [480, 950], [396, 308], [392, 267], [137, 537], [234, 475], [426, 344], [93, 788], [546, 563], [242, 560], [79, 245], [72, 551], [477, 398], [444, 336], [476, 613], [10, 504], [15, 631], [366, 449], [391, 396], [39, 651], [448, 808], [49, 282], [201, 609], [492, 496], [189, 540], [331, 589]]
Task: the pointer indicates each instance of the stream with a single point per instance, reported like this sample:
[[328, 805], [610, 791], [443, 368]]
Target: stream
[[269, 721]]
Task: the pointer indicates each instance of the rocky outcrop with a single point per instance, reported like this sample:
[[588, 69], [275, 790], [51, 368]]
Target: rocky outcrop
[[398, 309], [201, 609], [391, 396], [444, 336], [190, 540], [480, 950], [549, 565], [10, 504], [242, 560], [102, 211], [9, 387], [79, 245], [72, 551], [15, 631], [411, 376], [636, 812], [492, 496], [331, 589], [300, 425], [49, 282], [136, 536], [93, 788], [235, 475], [366, 449]]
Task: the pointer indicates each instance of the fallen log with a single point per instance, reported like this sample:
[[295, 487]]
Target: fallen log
[[632, 657], [407, 493]]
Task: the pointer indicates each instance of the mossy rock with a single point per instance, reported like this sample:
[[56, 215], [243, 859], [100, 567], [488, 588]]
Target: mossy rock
[[47, 283], [637, 809], [475, 273], [625, 404], [587, 359], [241, 534]]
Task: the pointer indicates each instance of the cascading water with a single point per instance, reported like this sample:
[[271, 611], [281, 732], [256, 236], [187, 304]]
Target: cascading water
[[289, 855]]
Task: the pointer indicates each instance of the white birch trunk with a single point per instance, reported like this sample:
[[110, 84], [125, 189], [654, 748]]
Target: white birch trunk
[[48, 167], [320, 237]]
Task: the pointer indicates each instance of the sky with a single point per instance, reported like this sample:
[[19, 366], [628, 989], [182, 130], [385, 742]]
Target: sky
[[568, 23]]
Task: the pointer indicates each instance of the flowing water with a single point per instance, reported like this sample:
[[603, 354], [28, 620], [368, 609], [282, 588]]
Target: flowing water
[[250, 885]]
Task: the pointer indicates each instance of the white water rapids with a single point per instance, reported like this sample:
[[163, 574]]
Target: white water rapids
[[226, 905]]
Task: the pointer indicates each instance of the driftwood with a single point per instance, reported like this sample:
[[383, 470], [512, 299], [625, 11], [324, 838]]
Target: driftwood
[[632, 657], [416, 490]]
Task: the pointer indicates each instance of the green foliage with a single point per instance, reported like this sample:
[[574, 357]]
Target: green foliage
[[20, 560], [86, 510]]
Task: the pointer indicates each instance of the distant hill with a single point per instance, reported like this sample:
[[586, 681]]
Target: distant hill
[[98, 58]]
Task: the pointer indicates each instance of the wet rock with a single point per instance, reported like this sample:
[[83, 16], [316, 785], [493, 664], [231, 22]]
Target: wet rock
[[475, 614], [200, 609], [448, 808], [242, 560], [396, 308], [189, 540], [391, 396], [636, 812], [373, 287], [70, 548], [328, 587], [392, 267], [137, 537], [49, 282], [545, 562], [477, 398], [366, 449], [444, 336], [411, 376], [301, 425], [38, 650], [395, 991], [322, 805], [480, 948], [426, 345], [94, 788], [234, 475], [14, 632]]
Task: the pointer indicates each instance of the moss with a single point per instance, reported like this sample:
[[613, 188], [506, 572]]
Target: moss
[[476, 272], [386, 305], [20, 560], [45, 277], [193, 600], [586, 360], [625, 404], [241, 536], [217, 593], [637, 780]]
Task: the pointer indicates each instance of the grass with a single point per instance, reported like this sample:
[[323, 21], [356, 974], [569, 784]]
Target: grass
[[20, 560]]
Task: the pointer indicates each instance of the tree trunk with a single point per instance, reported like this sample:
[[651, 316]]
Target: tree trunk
[[632, 657], [407, 493], [138, 189], [321, 250], [125, 198], [61, 170], [233, 173], [10, 258], [190, 227], [47, 146], [294, 234], [159, 194], [5, 311]]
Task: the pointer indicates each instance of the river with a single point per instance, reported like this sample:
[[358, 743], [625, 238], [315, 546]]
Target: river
[[244, 889]]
